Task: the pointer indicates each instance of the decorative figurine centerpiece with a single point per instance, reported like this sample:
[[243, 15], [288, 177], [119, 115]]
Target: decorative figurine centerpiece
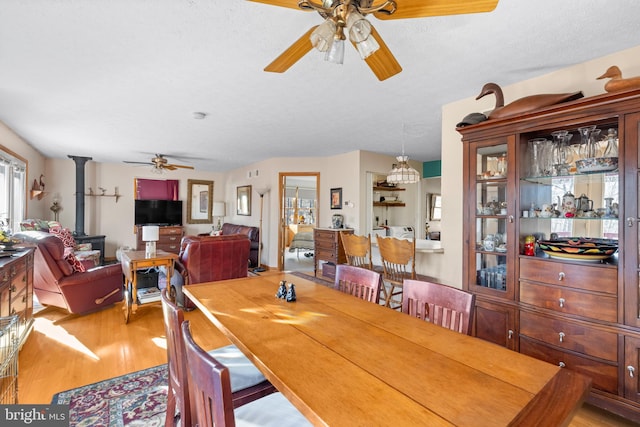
[[282, 290], [291, 293], [287, 294]]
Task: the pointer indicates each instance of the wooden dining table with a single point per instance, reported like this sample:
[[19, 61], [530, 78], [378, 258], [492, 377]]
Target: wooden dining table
[[344, 361]]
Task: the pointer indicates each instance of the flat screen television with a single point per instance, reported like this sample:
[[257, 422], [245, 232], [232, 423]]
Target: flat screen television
[[158, 212]]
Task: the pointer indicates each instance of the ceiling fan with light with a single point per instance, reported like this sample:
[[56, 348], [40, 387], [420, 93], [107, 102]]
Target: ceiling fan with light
[[349, 15], [160, 163]]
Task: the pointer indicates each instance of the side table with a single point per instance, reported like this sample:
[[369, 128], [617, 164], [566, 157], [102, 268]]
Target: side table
[[132, 261]]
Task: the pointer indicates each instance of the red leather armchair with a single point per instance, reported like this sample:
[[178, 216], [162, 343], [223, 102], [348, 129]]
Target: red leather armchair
[[253, 233], [56, 284], [211, 258]]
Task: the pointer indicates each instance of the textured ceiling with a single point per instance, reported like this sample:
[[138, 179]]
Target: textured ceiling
[[120, 79]]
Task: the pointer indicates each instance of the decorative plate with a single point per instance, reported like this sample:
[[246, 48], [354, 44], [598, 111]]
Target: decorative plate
[[597, 164], [579, 248]]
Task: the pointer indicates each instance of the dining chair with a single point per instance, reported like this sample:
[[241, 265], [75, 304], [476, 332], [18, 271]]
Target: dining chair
[[359, 282], [442, 305], [212, 401], [398, 263], [247, 382], [357, 249]]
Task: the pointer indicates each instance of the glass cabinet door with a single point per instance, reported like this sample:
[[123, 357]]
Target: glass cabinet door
[[492, 218], [631, 250]]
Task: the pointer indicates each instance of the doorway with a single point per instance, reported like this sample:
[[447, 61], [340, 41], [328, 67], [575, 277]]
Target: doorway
[[298, 195]]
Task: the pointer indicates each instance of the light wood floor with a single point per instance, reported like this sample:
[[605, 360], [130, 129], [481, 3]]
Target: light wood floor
[[97, 346]]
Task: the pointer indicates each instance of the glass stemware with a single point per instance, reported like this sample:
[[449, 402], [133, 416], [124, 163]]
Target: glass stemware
[[587, 147], [536, 156], [562, 156], [612, 144]]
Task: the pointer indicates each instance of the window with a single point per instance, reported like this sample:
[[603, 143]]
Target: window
[[13, 189]]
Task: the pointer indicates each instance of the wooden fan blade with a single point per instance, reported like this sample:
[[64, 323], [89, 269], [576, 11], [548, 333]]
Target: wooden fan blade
[[422, 8], [174, 167], [293, 4], [382, 62], [138, 163], [290, 56]]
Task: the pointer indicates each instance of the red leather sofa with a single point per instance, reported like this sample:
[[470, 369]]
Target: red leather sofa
[[210, 258], [55, 283], [253, 233]]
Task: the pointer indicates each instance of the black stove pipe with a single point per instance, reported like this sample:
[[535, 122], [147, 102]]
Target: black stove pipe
[[80, 162]]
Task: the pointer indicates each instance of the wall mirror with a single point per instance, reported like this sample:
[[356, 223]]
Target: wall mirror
[[244, 200], [199, 202], [435, 207]]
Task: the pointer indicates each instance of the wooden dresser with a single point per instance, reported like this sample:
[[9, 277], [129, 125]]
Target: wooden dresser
[[170, 237], [328, 250], [16, 290]]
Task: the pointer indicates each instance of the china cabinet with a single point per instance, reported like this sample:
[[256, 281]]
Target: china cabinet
[[566, 178]]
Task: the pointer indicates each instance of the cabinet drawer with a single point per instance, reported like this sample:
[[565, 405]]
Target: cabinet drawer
[[325, 254], [5, 295], [170, 230], [319, 246], [588, 277], [19, 302], [169, 239], [169, 247], [569, 301], [570, 336], [604, 375]]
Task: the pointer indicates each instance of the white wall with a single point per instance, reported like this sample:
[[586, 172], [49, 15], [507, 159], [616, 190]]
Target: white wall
[[578, 77]]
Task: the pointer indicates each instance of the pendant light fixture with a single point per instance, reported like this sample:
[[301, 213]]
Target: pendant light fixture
[[402, 173]]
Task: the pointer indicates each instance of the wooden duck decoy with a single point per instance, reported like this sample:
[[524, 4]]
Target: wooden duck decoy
[[617, 83], [523, 105]]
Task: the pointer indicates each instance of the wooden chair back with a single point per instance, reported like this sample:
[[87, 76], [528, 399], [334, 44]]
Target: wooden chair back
[[357, 249], [398, 258], [359, 282], [442, 305], [209, 385], [178, 392]]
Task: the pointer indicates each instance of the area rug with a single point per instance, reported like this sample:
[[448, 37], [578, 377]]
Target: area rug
[[135, 399]]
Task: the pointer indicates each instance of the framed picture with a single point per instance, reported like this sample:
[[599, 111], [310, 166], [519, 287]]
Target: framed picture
[[336, 198], [199, 202], [244, 200]]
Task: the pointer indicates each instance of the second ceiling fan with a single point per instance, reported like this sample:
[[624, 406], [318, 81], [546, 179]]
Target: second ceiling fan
[[340, 15], [160, 163]]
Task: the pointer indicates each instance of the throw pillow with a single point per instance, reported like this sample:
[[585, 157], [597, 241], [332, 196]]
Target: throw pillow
[[65, 235], [76, 265]]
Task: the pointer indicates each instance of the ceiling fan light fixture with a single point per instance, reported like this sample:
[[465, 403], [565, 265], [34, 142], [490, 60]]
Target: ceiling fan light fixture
[[402, 173], [335, 54], [322, 37], [367, 47], [358, 27]]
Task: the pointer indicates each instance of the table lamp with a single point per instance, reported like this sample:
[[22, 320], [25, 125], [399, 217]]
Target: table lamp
[[219, 211], [150, 234]]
